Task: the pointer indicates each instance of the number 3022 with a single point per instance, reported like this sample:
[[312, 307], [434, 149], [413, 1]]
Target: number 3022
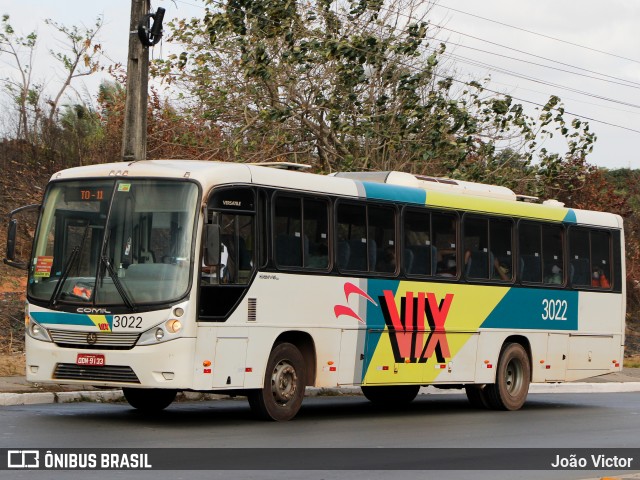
[[125, 321], [554, 309]]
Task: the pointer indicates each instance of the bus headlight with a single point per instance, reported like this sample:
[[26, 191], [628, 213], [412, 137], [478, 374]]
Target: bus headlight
[[174, 326], [35, 330]]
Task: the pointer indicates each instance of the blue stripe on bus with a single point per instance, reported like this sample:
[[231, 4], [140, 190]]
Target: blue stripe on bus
[[61, 318], [383, 191], [535, 309], [570, 217]]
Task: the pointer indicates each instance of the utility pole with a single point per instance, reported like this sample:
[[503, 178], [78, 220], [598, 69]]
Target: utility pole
[[134, 140]]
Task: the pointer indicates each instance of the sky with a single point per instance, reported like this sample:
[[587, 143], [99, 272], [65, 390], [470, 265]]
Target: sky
[[587, 52]]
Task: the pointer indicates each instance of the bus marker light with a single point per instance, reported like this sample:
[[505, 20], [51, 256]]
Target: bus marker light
[[206, 363], [332, 369], [330, 362], [541, 362], [440, 366], [384, 368], [248, 370], [548, 367], [206, 370], [178, 311]]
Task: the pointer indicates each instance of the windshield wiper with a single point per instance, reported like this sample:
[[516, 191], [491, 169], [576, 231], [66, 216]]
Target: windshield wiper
[[75, 253], [118, 284]]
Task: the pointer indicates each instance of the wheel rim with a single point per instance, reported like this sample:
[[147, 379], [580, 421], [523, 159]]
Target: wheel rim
[[513, 375], [284, 382]]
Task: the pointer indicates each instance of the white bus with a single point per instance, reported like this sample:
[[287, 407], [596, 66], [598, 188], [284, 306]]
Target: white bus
[[167, 276]]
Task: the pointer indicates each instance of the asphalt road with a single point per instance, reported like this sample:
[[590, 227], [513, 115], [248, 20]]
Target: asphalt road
[[550, 421]]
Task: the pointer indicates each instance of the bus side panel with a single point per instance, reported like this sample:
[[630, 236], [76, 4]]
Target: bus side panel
[[351, 362], [490, 343], [596, 348], [555, 366]]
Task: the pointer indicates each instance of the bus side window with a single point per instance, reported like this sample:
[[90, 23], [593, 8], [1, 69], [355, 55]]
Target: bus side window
[[579, 257], [444, 251], [601, 260], [530, 252]]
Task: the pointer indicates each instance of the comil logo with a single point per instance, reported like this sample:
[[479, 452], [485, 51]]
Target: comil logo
[[23, 459]]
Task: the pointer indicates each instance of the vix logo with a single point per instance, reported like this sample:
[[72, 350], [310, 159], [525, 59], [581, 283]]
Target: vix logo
[[407, 329]]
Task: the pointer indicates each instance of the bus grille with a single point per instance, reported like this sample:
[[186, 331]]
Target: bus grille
[[104, 341], [107, 373]]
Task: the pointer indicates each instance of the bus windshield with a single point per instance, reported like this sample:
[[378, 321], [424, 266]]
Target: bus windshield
[[114, 242]]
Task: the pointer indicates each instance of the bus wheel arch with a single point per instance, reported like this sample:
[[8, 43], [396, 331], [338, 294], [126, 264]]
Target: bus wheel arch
[[305, 344], [281, 396], [513, 376]]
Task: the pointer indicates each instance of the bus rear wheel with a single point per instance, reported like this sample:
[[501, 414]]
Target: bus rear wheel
[[391, 395], [149, 399], [284, 384], [512, 379]]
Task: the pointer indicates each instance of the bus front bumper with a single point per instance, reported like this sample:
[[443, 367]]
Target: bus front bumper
[[164, 365]]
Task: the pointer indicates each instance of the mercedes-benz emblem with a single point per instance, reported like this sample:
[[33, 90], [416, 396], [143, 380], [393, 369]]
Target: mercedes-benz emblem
[[92, 338]]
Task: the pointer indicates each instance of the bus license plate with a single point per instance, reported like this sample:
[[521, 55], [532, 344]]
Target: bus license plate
[[89, 359]]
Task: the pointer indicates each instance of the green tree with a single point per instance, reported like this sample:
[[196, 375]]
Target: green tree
[[348, 85]]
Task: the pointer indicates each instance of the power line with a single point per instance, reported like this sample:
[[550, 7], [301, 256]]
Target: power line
[[536, 80], [628, 83], [531, 54], [538, 34], [597, 105]]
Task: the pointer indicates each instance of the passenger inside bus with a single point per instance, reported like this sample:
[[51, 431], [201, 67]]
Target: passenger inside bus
[[477, 262], [555, 276], [599, 279]]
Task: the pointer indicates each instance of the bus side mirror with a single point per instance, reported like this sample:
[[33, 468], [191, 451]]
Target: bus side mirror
[[11, 239], [12, 235], [212, 245]]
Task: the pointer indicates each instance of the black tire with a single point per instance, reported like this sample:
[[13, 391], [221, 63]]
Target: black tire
[[477, 396], [391, 395], [284, 383], [512, 379], [149, 399]]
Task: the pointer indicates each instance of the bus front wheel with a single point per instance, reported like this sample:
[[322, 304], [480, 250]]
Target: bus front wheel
[[149, 399], [284, 384], [512, 379]]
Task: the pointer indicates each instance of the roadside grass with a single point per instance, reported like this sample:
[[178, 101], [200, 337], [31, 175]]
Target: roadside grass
[[632, 362]]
